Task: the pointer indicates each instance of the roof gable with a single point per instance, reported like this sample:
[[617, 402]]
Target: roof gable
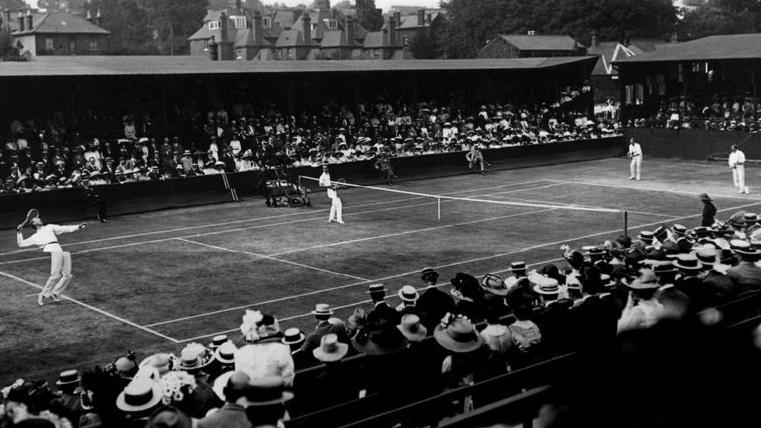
[[541, 42], [62, 22]]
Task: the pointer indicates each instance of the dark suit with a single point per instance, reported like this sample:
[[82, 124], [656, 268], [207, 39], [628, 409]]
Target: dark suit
[[721, 286], [747, 275], [229, 416], [303, 359], [554, 322], [699, 293], [383, 313], [709, 211], [594, 322]]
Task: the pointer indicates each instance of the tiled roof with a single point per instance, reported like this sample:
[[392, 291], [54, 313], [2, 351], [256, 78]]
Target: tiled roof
[[62, 22], [332, 39], [289, 38], [712, 48], [541, 42], [373, 39]]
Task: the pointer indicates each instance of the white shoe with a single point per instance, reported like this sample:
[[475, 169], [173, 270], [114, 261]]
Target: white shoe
[[340, 222], [631, 178], [40, 298], [55, 297]]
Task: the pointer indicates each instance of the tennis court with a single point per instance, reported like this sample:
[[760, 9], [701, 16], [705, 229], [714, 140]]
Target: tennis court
[[157, 281]]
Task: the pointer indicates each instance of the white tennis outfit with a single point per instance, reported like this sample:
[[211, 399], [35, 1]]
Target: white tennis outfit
[[737, 163], [336, 206], [46, 238], [635, 166]]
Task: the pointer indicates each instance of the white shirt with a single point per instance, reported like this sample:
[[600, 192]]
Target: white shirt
[[266, 359], [736, 158], [46, 238], [635, 150], [332, 194], [325, 180]]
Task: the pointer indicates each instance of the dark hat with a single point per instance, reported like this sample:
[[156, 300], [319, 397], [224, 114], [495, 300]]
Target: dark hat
[[377, 289], [322, 311], [726, 256], [705, 197], [688, 263], [68, 377], [293, 336], [457, 334], [660, 234], [383, 340], [429, 273], [169, 417]]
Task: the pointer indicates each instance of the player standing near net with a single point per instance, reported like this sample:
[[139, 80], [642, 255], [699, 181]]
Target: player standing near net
[[336, 206], [737, 164], [635, 154], [46, 237]]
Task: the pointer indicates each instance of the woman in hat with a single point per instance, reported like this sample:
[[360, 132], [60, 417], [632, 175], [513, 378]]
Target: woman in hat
[[265, 355], [642, 309], [709, 211]]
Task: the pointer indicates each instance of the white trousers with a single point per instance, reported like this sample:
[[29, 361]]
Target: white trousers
[[336, 210], [60, 273], [738, 177], [636, 167]]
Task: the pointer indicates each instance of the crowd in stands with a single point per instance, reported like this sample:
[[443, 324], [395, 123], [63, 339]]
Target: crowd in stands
[[444, 335], [46, 154], [727, 113]]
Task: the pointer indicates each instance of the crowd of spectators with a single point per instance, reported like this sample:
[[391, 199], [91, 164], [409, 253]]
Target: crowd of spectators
[[604, 296], [719, 113], [45, 154]]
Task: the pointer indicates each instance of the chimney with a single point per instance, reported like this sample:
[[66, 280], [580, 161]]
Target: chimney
[[397, 18], [420, 17], [429, 19], [8, 16], [89, 16], [213, 49], [307, 28], [594, 42], [97, 18], [225, 46], [239, 6], [29, 20], [392, 30], [258, 29], [350, 31], [20, 17]]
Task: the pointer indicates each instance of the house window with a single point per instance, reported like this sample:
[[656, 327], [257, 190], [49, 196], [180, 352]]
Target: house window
[[72, 45], [267, 22], [376, 53], [635, 94], [93, 44], [332, 24], [213, 25], [49, 44], [240, 21]]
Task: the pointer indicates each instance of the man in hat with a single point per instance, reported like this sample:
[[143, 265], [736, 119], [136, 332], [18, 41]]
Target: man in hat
[[747, 274], [433, 302], [68, 404], [635, 154], [554, 318], [721, 286], [46, 237], [294, 338], [233, 412], [709, 210], [409, 297], [737, 165], [322, 313], [382, 312], [342, 387]]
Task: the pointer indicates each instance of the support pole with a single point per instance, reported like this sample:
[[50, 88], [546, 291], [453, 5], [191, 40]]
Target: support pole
[[626, 223], [438, 209]]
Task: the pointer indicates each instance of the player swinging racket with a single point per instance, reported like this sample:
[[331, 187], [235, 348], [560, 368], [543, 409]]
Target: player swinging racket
[[336, 207], [46, 237]]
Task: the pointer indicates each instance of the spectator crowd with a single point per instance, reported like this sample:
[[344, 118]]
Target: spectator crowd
[[435, 340], [50, 153], [717, 113]]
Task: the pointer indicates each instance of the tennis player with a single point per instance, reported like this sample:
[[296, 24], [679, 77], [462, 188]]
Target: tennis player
[[46, 237], [336, 206], [475, 157], [737, 165], [635, 154]]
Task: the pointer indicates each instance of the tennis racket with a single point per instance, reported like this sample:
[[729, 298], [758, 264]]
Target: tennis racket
[[30, 215]]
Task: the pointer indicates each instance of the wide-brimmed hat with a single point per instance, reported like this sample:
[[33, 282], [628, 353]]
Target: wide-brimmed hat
[[429, 273], [139, 395], [266, 391], [382, 340], [545, 285], [322, 311], [408, 294], [161, 361], [688, 263], [411, 328], [225, 353], [457, 334], [293, 336], [68, 377], [748, 253], [191, 359], [645, 281], [330, 349], [217, 340], [493, 284]]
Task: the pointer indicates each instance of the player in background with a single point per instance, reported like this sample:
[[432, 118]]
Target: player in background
[[635, 154]]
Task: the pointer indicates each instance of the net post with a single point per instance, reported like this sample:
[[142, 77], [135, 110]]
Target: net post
[[626, 223], [438, 209]]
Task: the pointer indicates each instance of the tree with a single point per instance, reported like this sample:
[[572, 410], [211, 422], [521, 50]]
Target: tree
[[129, 25], [368, 15], [13, 5], [721, 17], [173, 21], [427, 44]]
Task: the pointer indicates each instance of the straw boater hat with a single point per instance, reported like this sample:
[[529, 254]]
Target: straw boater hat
[[225, 353], [267, 391], [408, 294], [518, 267], [330, 349], [191, 359], [688, 263], [140, 395], [68, 377], [679, 230], [412, 329], [646, 237], [162, 362], [457, 334], [646, 281], [217, 340], [544, 285], [377, 289], [750, 218], [493, 284], [322, 311], [660, 233], [707, 255], [293, 336]]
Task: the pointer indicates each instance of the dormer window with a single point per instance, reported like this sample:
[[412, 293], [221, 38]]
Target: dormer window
[[267, 22], [332, 24], [213, 25], [240, 21]]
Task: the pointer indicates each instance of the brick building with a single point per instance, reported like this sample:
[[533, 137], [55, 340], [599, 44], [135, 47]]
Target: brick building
[[531, 45], [58, 33]]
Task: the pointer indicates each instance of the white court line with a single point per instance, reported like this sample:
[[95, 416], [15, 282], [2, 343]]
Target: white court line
[[93, 308], [350, 305], [407, 232], [240, 229], [263, 256], [180, 229], [494, 256], [653, 189], [586, 206]]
